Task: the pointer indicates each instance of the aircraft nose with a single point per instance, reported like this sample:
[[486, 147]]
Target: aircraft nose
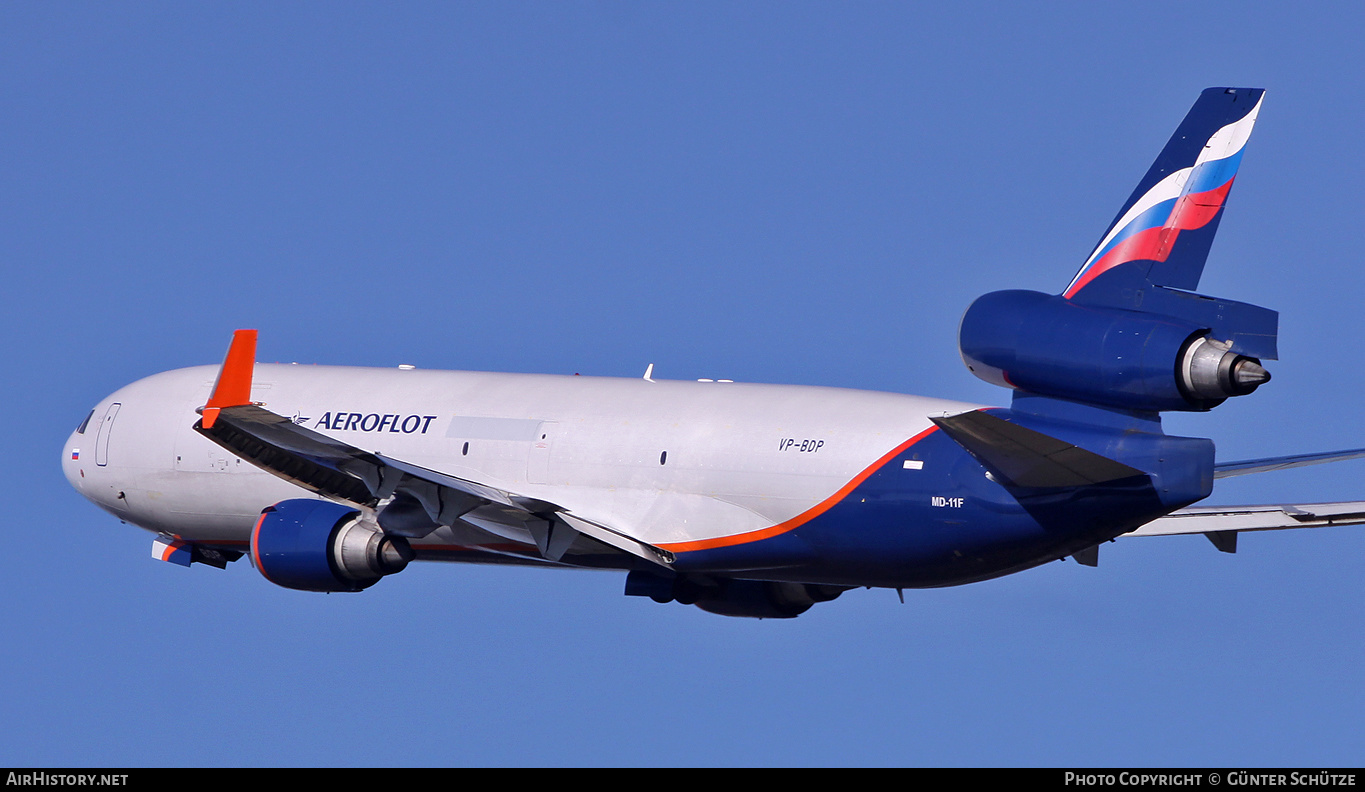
[[85, 462]]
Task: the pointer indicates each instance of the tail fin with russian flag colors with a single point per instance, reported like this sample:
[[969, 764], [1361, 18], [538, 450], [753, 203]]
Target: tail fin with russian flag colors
[[1162, 235]]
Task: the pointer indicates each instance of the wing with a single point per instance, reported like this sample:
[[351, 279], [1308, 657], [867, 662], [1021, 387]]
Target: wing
[[408, 499]]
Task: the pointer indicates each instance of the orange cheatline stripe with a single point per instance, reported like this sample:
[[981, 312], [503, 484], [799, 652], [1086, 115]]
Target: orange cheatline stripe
[[171, 547], [234, 378], [255, 546], [804, 517]]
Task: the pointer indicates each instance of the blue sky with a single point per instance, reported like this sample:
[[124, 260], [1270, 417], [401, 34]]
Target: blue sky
[[776, 192]]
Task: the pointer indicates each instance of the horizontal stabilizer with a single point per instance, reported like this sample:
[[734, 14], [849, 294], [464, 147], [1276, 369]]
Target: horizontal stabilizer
[[1206, 519], [1248, 466], [1021, 457]]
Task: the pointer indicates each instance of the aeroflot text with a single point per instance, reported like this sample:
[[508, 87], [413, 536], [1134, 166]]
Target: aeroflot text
[[375, 422]]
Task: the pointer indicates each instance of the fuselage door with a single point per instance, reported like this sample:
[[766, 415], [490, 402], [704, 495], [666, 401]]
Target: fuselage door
[[538, 461], [102, 437]]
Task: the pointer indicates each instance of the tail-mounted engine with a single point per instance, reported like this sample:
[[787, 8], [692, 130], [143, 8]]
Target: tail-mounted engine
[[1193, 358], [316, 545]]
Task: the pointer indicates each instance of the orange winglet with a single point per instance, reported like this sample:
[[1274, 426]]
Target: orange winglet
[[234, 378]]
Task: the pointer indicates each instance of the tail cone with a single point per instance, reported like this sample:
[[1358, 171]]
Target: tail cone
[[1248, 375]]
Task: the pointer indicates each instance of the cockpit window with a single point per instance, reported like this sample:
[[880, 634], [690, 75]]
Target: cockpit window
[[85, 423]]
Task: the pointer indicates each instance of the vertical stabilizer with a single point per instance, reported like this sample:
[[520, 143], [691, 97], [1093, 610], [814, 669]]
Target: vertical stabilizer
[[1162, 235]]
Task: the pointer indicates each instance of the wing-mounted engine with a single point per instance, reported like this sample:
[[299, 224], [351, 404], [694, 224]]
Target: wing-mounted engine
[[316, 545], [1192, 359]]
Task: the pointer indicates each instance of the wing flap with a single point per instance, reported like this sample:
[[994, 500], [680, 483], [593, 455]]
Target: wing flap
[[617, 539], [472, 488]]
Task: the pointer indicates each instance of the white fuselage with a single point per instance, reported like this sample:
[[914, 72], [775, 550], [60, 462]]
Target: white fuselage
[[680, 463]]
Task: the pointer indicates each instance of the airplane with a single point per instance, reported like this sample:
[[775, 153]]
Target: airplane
[[748, 500]]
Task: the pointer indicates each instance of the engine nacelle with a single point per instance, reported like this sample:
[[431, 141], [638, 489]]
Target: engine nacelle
[[315, 545], [1046, 344]]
